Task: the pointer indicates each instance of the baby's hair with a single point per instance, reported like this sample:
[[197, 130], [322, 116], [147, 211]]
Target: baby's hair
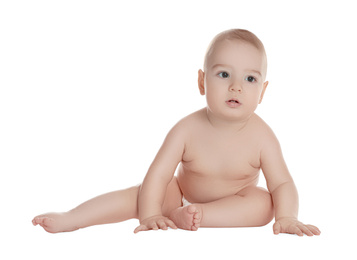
[[234, 34]]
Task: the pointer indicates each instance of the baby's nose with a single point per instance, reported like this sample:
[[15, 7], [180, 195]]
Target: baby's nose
[[235, 87]]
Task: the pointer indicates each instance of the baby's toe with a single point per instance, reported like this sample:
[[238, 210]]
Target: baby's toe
[[194, 228], [191, 209], [38, 220], [197, 217]]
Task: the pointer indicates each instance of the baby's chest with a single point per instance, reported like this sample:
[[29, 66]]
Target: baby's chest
[[227, 159]]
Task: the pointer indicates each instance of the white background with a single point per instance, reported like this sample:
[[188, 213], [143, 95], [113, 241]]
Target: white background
[[89, 89]]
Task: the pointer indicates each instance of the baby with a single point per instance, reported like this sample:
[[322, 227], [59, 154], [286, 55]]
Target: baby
[[219, 151]]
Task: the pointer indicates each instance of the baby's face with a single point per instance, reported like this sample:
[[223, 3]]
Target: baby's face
[[233, 81]]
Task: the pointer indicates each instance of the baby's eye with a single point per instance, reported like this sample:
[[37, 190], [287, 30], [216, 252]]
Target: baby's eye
[[223, 74], [250, 79]]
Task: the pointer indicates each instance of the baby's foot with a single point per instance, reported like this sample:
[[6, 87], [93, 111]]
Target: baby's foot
[[188, 217], [55, 222]]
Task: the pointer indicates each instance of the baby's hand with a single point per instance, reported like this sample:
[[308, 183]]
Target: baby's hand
[[293, 226], [155, 223]]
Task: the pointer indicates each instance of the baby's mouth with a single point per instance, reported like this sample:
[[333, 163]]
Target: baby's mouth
[[234, 101]]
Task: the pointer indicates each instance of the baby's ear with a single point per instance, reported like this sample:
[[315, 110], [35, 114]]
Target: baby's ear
[[201, 82], [265, 84]]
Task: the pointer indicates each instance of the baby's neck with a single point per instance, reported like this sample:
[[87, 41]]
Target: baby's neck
[[223, 124]]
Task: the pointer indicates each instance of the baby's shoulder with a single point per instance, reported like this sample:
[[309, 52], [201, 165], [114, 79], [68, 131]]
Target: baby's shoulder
[[189, 123], [261, 128], [265, 134], [192, 121]]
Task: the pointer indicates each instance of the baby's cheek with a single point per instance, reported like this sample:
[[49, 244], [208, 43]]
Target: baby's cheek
[[212, 102]]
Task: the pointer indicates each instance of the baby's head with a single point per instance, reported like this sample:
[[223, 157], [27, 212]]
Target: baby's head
[[238, 35], [233, 79]]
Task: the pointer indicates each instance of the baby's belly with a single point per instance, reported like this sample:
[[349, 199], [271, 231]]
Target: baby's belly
[[200, 188]]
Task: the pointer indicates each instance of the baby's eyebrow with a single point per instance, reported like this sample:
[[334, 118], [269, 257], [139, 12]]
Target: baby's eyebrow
[[220, 65], [255, 71]]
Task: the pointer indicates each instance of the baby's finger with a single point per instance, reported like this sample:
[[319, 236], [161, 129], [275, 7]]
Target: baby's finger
[[141, 228], [314, 230], [298, 231], [171, 224], [276, 228], [162, 225], [295, 230], [154, 226], [305, 230]]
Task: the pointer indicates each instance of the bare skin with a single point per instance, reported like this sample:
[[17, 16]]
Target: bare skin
[[219, 152], [239, 203]]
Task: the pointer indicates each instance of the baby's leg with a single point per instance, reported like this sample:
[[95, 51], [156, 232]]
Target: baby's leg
[[108, 208], [250, 207]]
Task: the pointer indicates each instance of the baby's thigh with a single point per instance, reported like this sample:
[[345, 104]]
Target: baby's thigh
[[255, 192], [259, 196], [173, 197]]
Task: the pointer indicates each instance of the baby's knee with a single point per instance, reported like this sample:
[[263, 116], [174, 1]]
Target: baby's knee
[[263, 204], [265, 196], [267, 207]]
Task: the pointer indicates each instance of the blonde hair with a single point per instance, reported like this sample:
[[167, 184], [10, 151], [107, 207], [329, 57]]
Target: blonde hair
[[234, 34]]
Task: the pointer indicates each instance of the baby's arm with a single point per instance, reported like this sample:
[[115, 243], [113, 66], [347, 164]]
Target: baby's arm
[[283, 190], [160, 173]]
